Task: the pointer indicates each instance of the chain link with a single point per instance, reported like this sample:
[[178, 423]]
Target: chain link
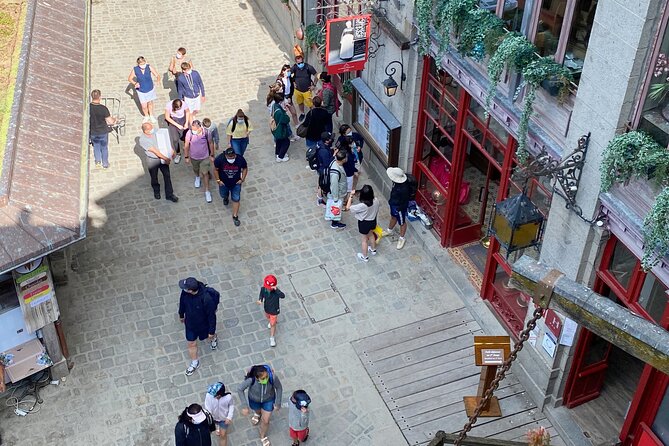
[[501, 373]]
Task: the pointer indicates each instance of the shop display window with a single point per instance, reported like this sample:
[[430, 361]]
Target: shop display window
[[655, 107], [653, 297], [660, 426]]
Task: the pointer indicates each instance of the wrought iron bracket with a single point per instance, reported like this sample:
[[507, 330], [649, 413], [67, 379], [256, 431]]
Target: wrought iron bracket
[[565, 174]]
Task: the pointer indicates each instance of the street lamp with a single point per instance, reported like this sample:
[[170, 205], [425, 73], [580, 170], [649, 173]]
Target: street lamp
[[517, 223], [390, 85]]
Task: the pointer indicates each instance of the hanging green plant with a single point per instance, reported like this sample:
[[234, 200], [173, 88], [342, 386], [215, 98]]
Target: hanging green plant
[[347, 87], [515, 51], [633, 155], [314, 34], [534, 73], [656, 232], [478, 25], [423, 13], [450, 15]]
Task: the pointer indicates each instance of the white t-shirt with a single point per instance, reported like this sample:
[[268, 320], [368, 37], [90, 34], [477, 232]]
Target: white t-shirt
[[180, 113], [363, 212]]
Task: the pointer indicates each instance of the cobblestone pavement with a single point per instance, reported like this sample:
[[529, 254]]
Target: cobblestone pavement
[[119, 310]]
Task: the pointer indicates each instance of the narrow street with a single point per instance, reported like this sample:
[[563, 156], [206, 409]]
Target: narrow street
[[128, 386]]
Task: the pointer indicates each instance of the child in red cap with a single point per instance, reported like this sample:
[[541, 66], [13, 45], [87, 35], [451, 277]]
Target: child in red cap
[[269, 296]]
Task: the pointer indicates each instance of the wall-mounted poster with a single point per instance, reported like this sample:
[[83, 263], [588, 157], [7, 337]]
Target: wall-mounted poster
[[347, 43], [368, 118], [34, 287]]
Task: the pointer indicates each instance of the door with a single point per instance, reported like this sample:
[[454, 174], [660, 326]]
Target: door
[[588, 371]]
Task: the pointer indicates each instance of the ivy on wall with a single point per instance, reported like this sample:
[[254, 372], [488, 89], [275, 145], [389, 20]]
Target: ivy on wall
[[480, 34], [636, 155]]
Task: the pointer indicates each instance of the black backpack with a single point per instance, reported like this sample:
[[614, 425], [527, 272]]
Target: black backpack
[[312, 157], [412, 185], [324, 179]]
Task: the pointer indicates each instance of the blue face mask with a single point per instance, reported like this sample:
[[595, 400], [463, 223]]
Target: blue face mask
[[300, 65]]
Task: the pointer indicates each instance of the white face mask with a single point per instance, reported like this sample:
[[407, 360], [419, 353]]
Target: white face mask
[[195, 132], [142, 66], [178, 56], [349, 133], [240, 120], [230, 161], [189, 71]]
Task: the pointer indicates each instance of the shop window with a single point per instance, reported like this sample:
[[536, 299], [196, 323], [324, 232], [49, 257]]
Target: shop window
[[563, 31], [8, 298], [655, 111], [653, 297], [622, 265], [511, 11], [660, 426]]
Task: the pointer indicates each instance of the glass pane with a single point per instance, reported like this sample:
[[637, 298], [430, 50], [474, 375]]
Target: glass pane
[[653, 297], [660, 426], [579, 35], [622, 264], [550, 24], [655, 114], [513, 14], [597, 352]]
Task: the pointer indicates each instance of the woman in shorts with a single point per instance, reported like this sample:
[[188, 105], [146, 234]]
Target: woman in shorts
[[141, 76], [264, 395], [365, 212]]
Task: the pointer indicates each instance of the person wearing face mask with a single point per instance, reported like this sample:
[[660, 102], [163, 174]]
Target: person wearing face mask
[[191, 88], [194, 427], [238, 131], [304, 78], [264, 396], [351, 142], [218, 402], [156, 161], [288, 89], [141, 77], [230, 170], [199, 153], [176, 61]]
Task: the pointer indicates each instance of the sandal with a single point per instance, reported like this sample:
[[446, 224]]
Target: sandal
[[265, 441], [255, 419]]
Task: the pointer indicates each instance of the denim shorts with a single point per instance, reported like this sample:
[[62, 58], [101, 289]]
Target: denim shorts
[[235, 191], [267, 406], [221, 424]]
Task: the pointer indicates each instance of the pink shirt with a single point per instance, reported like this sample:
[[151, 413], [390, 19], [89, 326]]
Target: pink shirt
[[199, 148]]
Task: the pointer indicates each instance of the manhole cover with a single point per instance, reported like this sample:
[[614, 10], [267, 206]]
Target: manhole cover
[[318, 293]]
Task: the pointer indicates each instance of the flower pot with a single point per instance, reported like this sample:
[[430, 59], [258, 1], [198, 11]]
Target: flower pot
[[552, 86]]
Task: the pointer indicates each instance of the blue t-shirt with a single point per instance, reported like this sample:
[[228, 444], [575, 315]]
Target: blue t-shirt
[[229, 173]]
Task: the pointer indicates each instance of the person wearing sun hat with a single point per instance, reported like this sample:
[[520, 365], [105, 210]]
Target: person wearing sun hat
[[194, 427], [269, 297], [399, 203]]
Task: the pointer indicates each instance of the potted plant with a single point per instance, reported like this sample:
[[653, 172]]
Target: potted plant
[[347, 90], [514, 52], [480, 27], [314, 35], [658, 92]]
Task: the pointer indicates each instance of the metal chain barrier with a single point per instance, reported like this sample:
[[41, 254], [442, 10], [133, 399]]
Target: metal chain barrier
[[501, 373]]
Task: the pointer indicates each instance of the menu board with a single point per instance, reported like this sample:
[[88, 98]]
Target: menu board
[[368, 118]]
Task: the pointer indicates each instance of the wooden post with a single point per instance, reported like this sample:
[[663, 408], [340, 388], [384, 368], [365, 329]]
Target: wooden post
[[489, 352]]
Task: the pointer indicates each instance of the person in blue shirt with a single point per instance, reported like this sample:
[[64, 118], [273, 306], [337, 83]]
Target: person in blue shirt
[[197, 311], [191, 88], [141, 77]]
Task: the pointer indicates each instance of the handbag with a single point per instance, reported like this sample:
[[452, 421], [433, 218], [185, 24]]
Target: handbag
[[378, 232], [333, 210], [303, 128]]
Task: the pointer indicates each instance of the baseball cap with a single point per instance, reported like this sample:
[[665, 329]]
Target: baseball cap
[[325, 136], [269, 281], [190, 283], [229, 151]]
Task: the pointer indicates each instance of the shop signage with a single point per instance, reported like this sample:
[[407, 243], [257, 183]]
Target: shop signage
[[553, 323], [347, 43], [34, 287], [489, 352]]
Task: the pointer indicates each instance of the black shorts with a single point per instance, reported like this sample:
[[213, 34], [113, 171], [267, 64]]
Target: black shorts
[[365, 226]]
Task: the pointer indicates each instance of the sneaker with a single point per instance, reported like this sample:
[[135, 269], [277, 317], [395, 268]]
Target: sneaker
[[362, 257], [400, 243], [197, 182], [320, 202], [214, 343], [387, 232], [236, 221], [285, 159], [294, 138], [226, 200], [272, 342], [301, 118], [278, 160], [156, 195], [371, 251], [337, 225], [192, 368], [105, 166], [177, 159], [173, 198], [98, 165], [146, 119], [207, 196]]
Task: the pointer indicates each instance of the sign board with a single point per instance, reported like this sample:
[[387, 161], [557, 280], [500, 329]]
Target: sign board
[[553, 323], [568, 332], [347, 43], [491, 350], [34, 286], [549, 345]]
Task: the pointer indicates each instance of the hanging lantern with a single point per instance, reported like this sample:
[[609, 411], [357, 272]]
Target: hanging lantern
[[517, 223], [299, 34]]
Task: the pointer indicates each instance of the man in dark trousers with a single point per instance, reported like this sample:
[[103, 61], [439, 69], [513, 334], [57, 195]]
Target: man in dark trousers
[[399, 203], [155, 161], [316, 122], [324, 157], [197, 311]]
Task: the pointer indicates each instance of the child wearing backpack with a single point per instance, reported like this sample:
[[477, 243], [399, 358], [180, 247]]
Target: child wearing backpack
[[264, 395], [270, 296], [298, 416]]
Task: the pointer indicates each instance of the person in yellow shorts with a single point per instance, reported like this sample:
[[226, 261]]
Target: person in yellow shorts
[[304, 78]]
